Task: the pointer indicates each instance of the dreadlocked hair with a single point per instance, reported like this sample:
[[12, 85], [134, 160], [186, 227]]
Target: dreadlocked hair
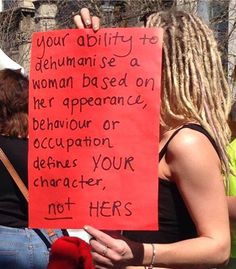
[[194, 87]]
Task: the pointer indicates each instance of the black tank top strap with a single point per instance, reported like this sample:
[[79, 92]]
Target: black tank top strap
[[193, 126], [164, 149]]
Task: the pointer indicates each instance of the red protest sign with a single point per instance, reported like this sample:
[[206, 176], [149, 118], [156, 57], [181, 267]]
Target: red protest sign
[[94, 127]]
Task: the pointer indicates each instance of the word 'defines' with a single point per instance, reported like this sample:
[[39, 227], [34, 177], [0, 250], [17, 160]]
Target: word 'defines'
[[94, 127]]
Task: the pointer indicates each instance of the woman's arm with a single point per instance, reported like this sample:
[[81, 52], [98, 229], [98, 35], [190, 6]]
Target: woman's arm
[[195, 167]]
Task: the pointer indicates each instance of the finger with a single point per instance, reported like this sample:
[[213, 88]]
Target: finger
[[100, 236], [101, 260], [104, 251], [98, 247], [102, 266], [86, 18], [78, 21], [100, 253], [95, 23]]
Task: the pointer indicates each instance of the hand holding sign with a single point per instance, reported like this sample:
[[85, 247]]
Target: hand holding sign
[[83, 19]]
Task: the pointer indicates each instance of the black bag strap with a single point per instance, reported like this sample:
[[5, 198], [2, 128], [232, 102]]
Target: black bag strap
[[10, 168]]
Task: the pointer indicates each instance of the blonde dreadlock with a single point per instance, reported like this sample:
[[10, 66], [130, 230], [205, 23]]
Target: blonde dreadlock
[[194, 87]]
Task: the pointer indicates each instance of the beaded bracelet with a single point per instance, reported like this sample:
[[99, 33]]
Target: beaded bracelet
[[153, 257]]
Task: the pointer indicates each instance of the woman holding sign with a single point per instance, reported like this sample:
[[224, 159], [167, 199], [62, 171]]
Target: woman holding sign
[[195, 102]]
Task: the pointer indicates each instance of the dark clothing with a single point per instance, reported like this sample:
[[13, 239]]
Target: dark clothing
[[20, 247], [175, 223], [13, 206]]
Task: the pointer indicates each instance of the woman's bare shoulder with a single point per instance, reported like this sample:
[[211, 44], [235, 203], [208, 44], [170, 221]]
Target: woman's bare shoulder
[[189, 140], [190, 151]]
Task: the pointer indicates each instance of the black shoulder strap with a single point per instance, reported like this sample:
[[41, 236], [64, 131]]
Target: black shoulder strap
[[193, 126], [164, 149]]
